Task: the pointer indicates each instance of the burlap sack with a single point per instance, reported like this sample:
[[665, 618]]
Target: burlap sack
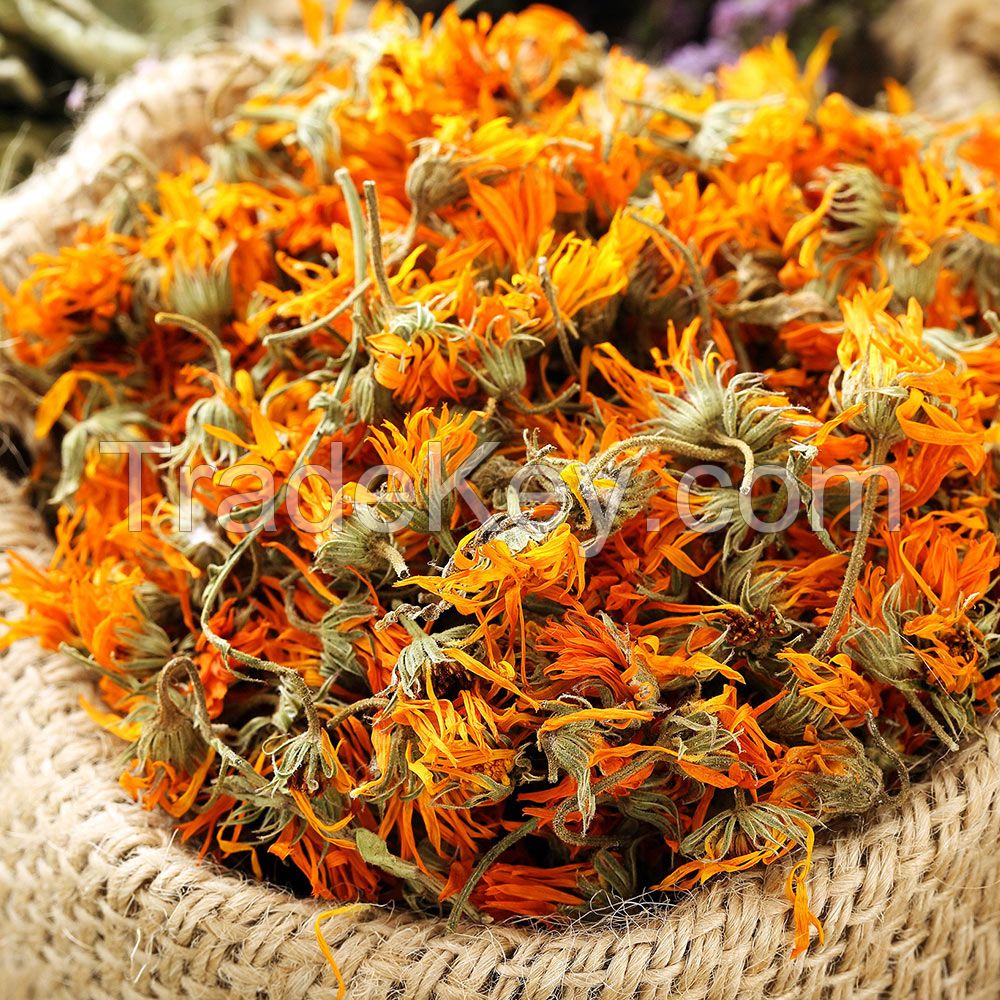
[[98, 900], [946, 52]]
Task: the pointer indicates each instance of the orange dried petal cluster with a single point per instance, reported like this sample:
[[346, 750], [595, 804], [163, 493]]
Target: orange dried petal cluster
[[506, 478]]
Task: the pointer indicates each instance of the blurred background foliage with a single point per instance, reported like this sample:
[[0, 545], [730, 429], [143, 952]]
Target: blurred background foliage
[[55, 54]]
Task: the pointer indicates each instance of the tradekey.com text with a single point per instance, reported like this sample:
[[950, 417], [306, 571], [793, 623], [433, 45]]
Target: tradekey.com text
[[540, 496]]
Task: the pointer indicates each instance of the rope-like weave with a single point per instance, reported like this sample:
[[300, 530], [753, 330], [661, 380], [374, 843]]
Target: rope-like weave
[[99, 900], [159, 111]]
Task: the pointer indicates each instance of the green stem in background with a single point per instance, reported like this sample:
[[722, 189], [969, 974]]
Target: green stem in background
[[856, 560], [219, 575], [375, 239], [560, 325], [285, 336], [343, 177], [661, 442], [361, 280], [464, 7], [223, 362], [746, 451], [78, 34], [697, 279], [462, 899], [604, 785], [881, 742], [325, 426]]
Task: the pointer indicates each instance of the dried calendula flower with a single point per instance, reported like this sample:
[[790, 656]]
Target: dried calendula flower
[[552, 480], [173, 735]]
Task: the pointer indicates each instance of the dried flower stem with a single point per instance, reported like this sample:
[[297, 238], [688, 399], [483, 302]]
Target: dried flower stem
[[856, 560], [557, 319], [498, 849]]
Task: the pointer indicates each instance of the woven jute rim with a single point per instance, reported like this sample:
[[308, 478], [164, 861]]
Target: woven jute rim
[[99, 900]]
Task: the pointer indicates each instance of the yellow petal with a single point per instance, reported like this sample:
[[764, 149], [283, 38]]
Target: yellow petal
[[267, 440], [54, 402], [807, 223], [898, 98], [228, 436], [244, 387]]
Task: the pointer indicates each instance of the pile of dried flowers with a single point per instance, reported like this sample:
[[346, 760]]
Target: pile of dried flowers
[[581, 481]]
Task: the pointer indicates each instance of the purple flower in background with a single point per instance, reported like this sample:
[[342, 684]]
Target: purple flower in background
[[735, 25], [731, 18], [699, 58]]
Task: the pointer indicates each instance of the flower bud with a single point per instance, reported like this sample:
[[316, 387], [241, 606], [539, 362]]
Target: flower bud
[[353, 544], [435, 178], [204, 295], [370, 401], [859, 208], [171, 735]]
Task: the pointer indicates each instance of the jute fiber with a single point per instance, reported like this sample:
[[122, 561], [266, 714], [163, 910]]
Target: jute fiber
[[99, 900], [946, 52]]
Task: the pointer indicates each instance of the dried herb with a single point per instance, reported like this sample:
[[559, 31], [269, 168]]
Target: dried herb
[[568, 483]]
